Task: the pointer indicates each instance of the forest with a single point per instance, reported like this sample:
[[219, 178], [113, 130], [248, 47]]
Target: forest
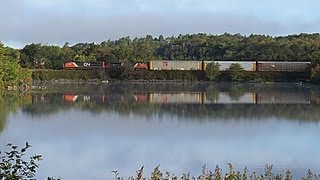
[[201, 46]]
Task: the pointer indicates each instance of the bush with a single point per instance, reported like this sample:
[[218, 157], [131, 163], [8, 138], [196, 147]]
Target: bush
[[48, 75], [237, 72], [212, 71], [315, 74], [11, 74]]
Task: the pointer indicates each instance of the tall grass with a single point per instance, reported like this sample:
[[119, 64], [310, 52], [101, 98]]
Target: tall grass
[[217, 174]]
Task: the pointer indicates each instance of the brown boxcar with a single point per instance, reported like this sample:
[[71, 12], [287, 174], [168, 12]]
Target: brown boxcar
[[283, 66]]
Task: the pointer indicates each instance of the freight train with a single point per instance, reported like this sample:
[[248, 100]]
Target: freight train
[[157, 65]]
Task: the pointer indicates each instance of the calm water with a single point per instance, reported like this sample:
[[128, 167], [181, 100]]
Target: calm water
[[86, 131]]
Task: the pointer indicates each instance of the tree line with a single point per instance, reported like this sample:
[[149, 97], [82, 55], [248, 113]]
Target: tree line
[[302, 47], [236, 47]]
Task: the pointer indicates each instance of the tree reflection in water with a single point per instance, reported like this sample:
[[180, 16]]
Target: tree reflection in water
[[195, 101], [10, 102]]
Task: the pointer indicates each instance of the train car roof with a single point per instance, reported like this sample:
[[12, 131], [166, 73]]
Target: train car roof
[[306, 62], [232, 61]]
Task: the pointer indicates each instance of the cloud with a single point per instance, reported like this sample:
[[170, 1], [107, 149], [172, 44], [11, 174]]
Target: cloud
[[59, 29]]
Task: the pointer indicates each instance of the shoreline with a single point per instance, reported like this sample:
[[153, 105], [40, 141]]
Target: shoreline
[[99, 81], [47, 85]]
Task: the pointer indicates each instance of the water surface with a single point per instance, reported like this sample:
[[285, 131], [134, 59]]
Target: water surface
[[86, 131]]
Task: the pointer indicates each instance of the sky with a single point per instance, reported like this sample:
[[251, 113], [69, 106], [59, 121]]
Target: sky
[[58, 21]]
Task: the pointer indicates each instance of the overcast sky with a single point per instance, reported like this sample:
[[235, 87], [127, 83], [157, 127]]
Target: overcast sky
[[59, 21]]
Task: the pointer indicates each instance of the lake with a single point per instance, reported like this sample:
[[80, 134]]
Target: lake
[[85, 131]]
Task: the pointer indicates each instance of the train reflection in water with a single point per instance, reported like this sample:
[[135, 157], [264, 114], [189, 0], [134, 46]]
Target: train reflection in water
[[201, 98], [99, 98], [197, 98]]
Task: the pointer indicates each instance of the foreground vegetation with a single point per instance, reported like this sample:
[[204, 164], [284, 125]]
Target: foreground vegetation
[[14, 166], [218, 174]]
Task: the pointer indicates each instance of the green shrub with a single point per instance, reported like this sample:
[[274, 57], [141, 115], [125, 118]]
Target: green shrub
[[315, 74], [48, 75], [237, 72], [14, 167], [212, 71], [11, 74]]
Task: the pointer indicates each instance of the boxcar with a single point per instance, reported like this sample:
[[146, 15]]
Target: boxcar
[[175, 65], [225, 65], [283, 66], [114, 65]]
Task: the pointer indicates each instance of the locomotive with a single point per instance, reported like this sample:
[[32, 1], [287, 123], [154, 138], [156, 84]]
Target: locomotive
[[85, 65], [157, 65]]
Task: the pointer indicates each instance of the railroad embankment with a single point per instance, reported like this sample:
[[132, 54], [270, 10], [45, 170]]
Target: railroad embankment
[[71, 76]]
